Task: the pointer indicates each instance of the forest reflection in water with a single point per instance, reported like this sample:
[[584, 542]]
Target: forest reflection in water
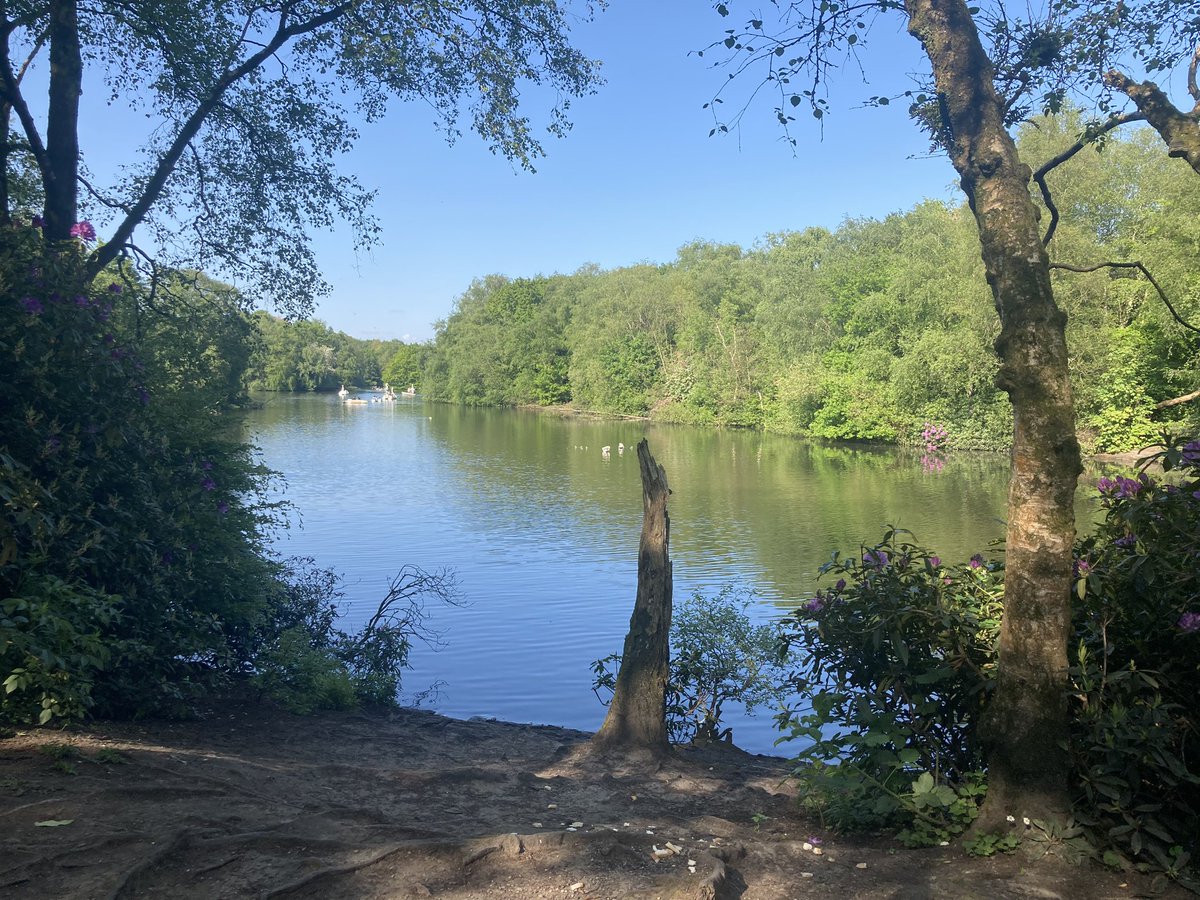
[[542, 529]]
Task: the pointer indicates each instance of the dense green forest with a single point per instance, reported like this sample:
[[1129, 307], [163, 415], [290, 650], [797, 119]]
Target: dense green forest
[[310, 356], [865, 332]]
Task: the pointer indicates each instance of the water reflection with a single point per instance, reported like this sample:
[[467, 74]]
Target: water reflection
[[543, 529]]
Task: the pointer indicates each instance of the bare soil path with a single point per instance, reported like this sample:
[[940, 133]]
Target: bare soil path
[[252, 802]]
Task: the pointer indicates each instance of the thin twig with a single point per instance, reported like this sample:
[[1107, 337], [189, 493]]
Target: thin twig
[[1141, 268]]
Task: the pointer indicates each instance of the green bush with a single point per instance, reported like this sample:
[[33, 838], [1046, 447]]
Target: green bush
[[305, 661], [893, 668], [132, 517], [895, 663], [718, 655], [52, 651], [1137, 668]]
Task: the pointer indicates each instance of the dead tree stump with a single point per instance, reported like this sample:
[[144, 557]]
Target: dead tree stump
[[636, 719]]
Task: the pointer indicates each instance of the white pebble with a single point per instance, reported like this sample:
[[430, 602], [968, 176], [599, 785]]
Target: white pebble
[[860, 865]]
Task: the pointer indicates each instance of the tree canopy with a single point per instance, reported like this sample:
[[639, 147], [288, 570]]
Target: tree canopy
[[251, 106]]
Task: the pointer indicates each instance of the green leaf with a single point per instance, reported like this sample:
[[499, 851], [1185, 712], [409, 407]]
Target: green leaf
[[53, 823]]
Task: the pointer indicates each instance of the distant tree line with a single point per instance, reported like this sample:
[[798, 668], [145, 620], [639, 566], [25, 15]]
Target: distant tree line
[[308, 355], [865, 332]]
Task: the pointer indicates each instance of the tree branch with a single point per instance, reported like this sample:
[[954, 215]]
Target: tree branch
[[1141, 268], [1186, 398], [1087, 138], [1180, 131], [106, 253], [1191, 79]]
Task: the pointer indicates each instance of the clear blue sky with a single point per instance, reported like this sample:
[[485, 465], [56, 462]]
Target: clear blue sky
[[635, 179]]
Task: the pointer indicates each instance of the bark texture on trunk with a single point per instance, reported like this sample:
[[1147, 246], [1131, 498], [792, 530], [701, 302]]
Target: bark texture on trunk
[[636, 719], [1179, 130], [60, 176], [1025, 727]]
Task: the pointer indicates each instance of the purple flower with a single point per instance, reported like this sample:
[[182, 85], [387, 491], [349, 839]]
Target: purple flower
[[1189, 622], [1191, 452], [53, 444], [1083, 568], [1128, 540], [144, 396], [935, 562], [168, 557], [82, 301], [1121, 487], [115, 288], [841, 585], [32, 305], [815, 605], [208, 484], [206, 465], [814, 840], [977, 561], [37, 222], [876, 559], [222, 508], [84, 231]]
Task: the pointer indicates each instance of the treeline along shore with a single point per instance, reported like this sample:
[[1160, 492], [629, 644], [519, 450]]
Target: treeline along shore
[[868, 332]]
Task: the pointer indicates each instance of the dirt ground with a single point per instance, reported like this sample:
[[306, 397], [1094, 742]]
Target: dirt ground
[[253, 802]]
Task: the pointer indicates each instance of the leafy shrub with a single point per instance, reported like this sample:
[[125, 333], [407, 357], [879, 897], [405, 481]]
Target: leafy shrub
[[52, 649], [1137, 668], [718, 655], [893, 667], [306, 662], [132, 513], [896, 661]]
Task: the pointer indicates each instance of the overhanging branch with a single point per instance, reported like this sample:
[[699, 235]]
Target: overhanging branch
[[106, 253], [1139, 267]]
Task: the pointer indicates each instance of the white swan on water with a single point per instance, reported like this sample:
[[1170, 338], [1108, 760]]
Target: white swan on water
[[343, 393]]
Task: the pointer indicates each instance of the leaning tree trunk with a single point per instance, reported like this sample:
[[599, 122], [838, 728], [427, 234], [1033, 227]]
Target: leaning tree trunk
[[1025, 725], [636, 717]]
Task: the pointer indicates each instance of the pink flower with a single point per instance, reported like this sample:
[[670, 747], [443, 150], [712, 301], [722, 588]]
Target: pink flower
[[84, 231]]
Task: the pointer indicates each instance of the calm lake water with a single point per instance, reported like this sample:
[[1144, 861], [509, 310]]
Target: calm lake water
[[543, 531]]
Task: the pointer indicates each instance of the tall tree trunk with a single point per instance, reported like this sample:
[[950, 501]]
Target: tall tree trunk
[[636, 717], [1025, 727], [5, 125], [60, 176]]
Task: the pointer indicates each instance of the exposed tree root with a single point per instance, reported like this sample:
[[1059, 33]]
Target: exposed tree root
[[221, 782], [169, 847], [334, 871]]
